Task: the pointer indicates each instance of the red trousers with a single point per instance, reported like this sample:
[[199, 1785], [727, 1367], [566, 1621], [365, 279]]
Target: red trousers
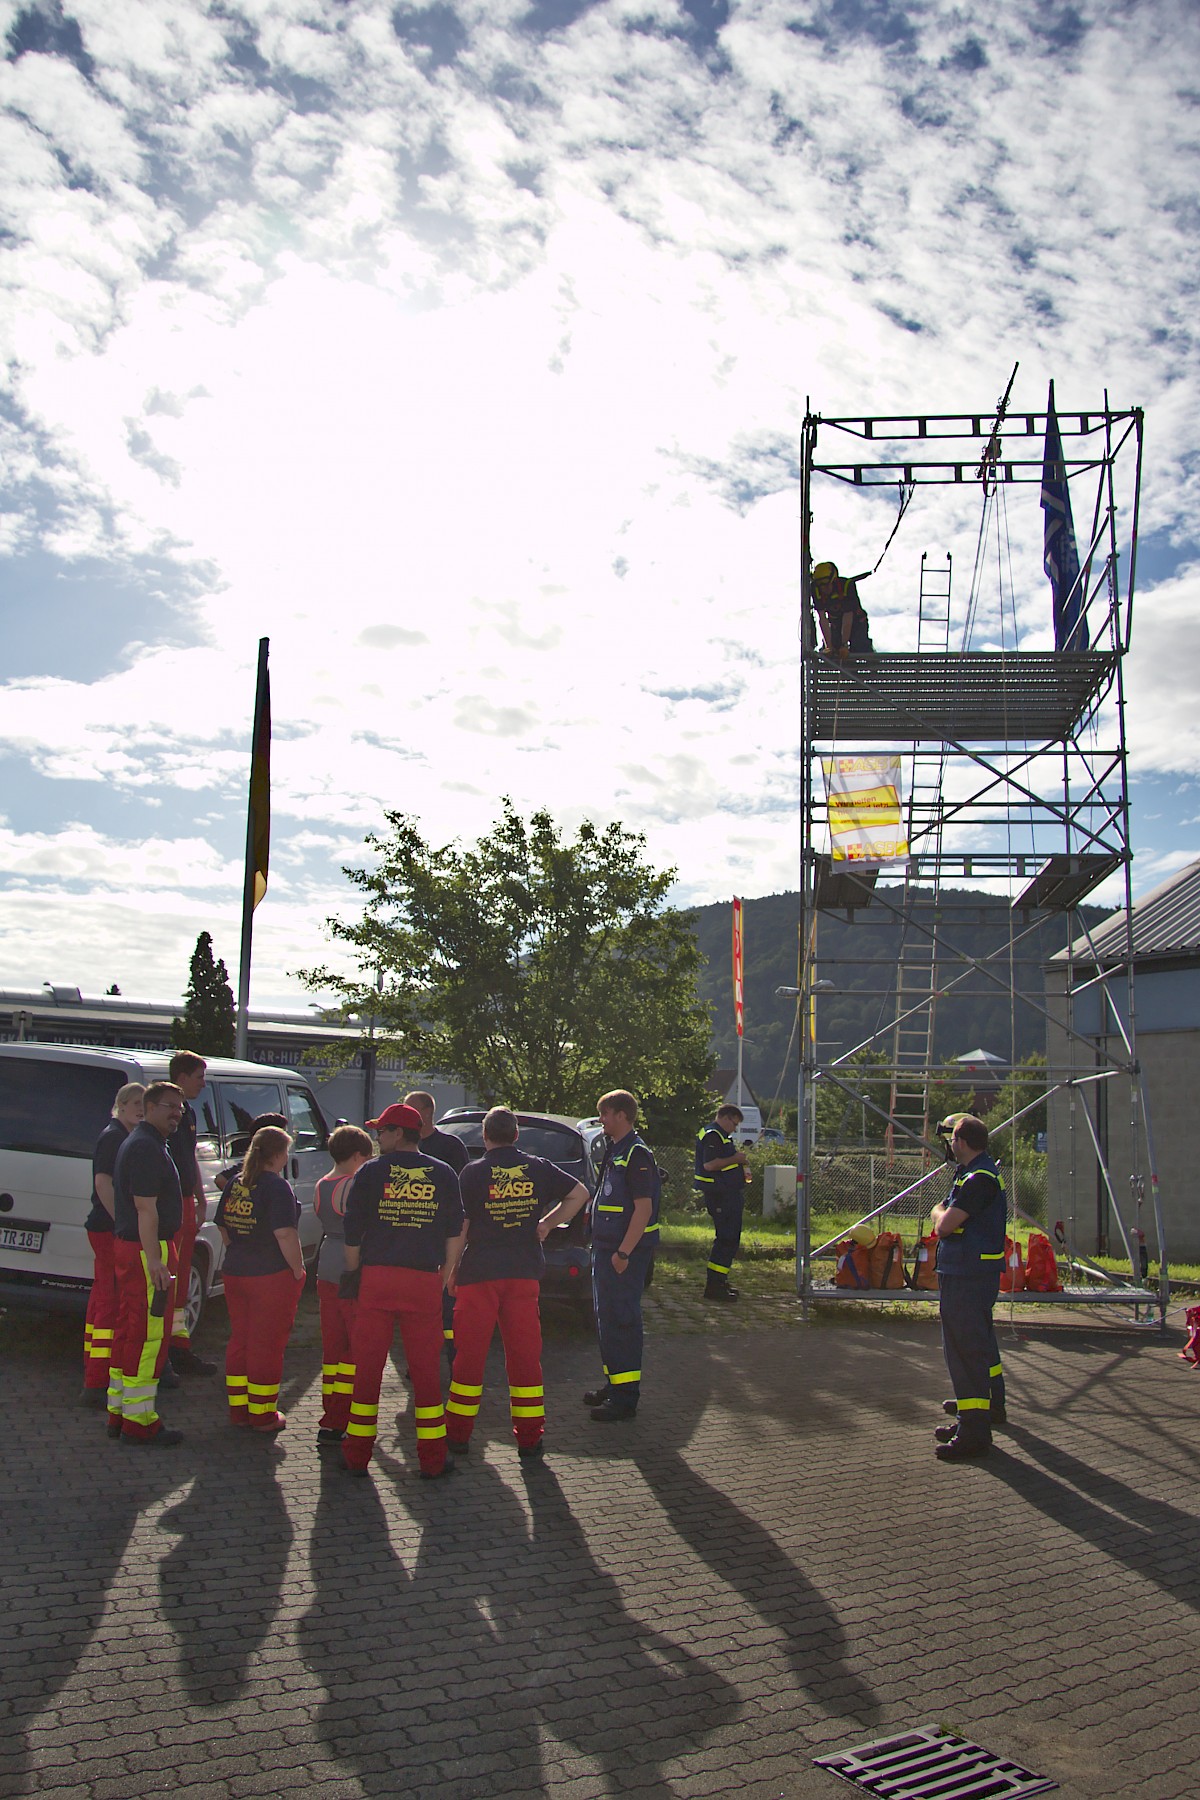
[[261, 1310], [412, 1299], [337, 1362], [481, 1306], [101, 1312], [185, 1240], [140, 1343]]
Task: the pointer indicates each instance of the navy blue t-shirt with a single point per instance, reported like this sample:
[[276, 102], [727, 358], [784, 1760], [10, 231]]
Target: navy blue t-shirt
[[104, 1161], [401, 1208], [450, 1150], [144, 1166], [504, 1195], [252, 1216], [182, 1145]]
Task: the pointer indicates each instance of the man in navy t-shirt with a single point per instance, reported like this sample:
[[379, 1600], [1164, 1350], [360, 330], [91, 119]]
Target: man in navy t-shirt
[[453, 1152], [147, 1206], [189, 1073], [505, 1196], [101, 1321], [403, 1216]]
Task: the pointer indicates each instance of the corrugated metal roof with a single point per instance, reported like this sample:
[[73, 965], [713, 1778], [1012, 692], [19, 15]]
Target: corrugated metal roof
[[1166, 922]]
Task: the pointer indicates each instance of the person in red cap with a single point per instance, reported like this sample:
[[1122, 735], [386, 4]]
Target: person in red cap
[[403, 1234]]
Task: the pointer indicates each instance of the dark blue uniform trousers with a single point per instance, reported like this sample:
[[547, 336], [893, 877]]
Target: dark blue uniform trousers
[[725, 1211], [618, 1303], [969, 1346]]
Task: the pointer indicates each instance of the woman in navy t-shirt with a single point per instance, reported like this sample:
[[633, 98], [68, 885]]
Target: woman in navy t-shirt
[[263, 1273]]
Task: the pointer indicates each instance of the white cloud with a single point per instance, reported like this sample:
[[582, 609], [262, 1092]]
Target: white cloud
[[473, 377]]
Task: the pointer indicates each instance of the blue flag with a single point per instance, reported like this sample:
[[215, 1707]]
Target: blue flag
[[1060, 557]]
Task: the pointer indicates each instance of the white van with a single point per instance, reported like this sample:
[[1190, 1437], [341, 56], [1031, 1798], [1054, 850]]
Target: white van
[[55, 1100]]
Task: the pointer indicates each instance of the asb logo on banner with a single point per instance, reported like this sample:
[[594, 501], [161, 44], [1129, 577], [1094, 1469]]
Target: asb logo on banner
[[739, 1007], [864, 808]]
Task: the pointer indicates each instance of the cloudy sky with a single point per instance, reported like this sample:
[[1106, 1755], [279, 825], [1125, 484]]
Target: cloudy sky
[[462, 349]]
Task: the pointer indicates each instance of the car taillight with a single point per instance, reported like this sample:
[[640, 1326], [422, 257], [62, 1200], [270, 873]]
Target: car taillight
[[573, 1270]]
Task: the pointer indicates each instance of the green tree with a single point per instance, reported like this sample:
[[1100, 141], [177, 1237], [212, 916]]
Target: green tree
[[1026, 1083], [208, 1013], [535, 970]]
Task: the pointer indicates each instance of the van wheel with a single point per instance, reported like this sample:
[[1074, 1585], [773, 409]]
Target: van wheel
[[193, 1310]]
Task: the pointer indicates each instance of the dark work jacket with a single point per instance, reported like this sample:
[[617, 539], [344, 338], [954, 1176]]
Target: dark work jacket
[[978, 1245], [612, 1208], [721, 1184]]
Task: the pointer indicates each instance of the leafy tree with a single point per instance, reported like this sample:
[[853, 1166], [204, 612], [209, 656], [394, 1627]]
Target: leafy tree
[[537, 971], [1025, 1084], [207, 1025]]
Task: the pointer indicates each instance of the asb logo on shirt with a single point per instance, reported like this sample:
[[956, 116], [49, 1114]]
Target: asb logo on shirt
[[238, 1215], [510, 1196], [409, 1197]]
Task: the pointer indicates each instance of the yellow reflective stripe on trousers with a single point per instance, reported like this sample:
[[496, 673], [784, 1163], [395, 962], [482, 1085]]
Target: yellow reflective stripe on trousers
[[140, 1390], [460, 1387], [431, 1431], [537, 1393], [632, 1375], [101, 1334], [464, 1411], [427, 1412], [997, 1369], [974, 1406], [355, 1430], [528, 1412], [719, 1268]]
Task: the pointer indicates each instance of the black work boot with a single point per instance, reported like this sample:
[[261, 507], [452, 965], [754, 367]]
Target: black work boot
[[717, 1288]]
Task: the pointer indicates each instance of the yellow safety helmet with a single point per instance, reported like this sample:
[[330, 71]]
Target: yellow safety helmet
[[862, 1234], [824, 570]]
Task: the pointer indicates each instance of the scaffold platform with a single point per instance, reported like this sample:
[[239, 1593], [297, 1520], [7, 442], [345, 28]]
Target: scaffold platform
[[1070, 1294], [976, 696]]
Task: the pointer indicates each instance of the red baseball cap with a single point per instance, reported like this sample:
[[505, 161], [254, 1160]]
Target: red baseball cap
[[399, 1117]]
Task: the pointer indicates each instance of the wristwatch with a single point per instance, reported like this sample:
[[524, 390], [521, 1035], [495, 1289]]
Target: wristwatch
[[623, 1254]]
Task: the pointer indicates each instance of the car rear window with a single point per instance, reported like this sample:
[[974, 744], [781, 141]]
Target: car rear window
[[54, 1109], [557, 1142]]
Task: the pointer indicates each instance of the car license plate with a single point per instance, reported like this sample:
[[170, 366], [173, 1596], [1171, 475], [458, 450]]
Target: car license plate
[[19, 1237]]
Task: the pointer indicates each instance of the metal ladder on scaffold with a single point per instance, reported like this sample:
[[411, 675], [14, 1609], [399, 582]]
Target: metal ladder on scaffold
[[917, 966]]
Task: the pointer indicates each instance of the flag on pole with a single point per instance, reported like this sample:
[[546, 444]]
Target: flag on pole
[[739, 1008], [1060, 557], [259, 835]]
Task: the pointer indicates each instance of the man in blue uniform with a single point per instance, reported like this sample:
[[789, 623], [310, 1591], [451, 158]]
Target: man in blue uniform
[[624, 1238], [721, 1179], [970, 1259]]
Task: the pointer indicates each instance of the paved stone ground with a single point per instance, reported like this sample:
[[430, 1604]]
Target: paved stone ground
[[768, 1565]]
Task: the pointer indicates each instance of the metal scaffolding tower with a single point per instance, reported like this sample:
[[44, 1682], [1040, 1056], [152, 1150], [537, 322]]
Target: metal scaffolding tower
[[1015, 768]]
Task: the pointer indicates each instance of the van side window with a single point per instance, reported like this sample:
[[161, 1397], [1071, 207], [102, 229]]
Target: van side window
[[304, 1121], [54, 1108], [208, 1125], [243, 1101]]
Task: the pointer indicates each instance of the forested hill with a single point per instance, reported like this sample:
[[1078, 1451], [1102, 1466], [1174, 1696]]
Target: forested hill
[[976, 1015]]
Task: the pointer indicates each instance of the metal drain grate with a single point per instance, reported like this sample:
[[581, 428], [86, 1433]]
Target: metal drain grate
[[929, 1764]]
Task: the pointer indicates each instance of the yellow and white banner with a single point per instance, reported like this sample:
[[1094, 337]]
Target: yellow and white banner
[[864, 808]]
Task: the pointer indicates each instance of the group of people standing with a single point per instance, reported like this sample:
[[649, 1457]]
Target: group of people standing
[[416, 1238]]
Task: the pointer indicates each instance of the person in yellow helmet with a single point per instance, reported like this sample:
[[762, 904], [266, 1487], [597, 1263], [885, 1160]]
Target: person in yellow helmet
[[840, 612]]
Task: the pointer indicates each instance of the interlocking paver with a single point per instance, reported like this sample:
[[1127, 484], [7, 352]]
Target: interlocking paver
[[768, 1565]]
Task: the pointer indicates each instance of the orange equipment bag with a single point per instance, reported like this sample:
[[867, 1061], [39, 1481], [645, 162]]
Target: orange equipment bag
[[887, 1260], [924, 1269], [853, 1265], [1041, 1269], [1013, 1279]]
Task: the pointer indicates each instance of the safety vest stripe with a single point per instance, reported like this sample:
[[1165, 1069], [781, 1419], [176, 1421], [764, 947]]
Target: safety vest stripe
[[610, 1209], [991, 1256]]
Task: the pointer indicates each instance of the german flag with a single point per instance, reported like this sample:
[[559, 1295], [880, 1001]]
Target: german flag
[[258, 837]]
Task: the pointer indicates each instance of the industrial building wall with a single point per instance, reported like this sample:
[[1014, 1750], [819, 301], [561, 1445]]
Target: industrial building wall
[[1170, 1059]]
